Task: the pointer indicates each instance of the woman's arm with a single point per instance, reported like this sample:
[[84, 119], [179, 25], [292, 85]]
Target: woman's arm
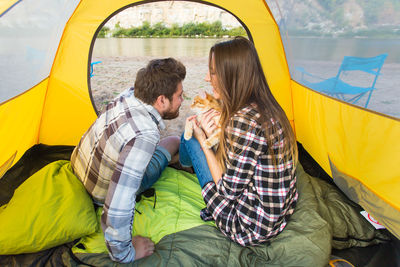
[[215, 168]]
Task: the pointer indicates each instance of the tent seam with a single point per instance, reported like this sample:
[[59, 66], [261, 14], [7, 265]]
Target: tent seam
[[51, 71], [287, 66], [352, 177], [25, 92], [347, 103], [10, 7]]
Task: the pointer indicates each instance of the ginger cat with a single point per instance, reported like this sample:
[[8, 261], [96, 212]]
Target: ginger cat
[[200, 106]]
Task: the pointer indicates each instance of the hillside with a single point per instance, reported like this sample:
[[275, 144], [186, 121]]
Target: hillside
[[379, 18], [339, 17]]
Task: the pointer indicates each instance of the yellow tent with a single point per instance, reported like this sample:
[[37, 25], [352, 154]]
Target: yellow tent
[[46, 51]]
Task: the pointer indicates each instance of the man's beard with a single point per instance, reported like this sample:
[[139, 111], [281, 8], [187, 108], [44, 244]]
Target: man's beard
[[170, 114]]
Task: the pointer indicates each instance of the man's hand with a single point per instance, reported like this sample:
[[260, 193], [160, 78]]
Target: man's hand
[[143, 246]]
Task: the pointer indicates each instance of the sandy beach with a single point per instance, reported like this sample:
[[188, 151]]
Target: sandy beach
[[116, 73]]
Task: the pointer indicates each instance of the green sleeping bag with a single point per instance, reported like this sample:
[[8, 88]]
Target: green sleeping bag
[[178, 202], [183, 239]]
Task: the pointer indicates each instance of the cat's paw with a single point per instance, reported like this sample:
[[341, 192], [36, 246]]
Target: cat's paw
[[207, 144], [210, 142], [188, 131]]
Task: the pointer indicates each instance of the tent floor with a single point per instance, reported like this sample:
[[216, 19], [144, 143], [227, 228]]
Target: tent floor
[[40, 155]]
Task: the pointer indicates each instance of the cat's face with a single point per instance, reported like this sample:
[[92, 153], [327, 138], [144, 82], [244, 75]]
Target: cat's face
[[204, 104]]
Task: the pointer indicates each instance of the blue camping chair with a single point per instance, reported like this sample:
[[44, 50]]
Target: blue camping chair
[[336, 87], [92, 69]]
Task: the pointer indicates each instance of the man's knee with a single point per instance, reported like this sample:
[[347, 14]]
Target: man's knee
[[171, 144]]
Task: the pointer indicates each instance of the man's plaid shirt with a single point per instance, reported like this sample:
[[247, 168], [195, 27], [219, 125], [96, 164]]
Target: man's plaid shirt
[[254, 198], [111, 159]]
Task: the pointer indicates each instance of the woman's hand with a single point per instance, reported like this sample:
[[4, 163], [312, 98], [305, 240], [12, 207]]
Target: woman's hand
[[207, 121], [198, 133]]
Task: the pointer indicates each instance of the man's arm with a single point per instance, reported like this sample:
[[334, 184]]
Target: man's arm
[[119, 206]]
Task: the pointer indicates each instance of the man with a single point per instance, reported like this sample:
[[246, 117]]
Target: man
[[121, 154]]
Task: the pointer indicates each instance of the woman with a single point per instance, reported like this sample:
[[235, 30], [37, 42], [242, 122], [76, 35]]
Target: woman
[[249, 184]]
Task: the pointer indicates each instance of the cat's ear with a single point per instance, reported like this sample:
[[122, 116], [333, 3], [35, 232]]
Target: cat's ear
[[196, 99]]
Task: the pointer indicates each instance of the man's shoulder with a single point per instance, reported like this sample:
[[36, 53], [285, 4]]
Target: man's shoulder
[[126, 93]]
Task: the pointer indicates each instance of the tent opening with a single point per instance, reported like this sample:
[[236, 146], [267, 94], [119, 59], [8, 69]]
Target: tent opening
[[132, 37]]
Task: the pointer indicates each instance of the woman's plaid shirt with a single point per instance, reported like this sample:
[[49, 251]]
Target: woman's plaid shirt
[[254, 199]]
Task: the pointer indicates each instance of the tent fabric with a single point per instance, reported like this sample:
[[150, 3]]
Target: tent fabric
[[30, 34], [48, 100], [20, 121], [361, 144], [66, 97], [363, 196], [68, 84], [6, 5]]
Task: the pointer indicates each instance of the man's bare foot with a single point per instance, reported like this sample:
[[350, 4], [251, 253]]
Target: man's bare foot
[[178, 166], [174, 159], [143, 246]]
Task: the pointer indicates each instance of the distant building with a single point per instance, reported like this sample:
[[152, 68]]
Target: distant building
[[171, 12]]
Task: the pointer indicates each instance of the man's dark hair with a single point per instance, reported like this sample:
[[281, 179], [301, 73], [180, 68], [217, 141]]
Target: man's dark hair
[[159, 77]]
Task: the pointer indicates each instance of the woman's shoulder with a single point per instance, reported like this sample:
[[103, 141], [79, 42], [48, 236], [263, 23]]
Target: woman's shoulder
[[248, 113], [246, 118], [250, 118]]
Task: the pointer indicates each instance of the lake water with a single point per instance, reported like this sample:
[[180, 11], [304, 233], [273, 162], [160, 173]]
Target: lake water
[[161, 47], [334, 49], [325, 49]]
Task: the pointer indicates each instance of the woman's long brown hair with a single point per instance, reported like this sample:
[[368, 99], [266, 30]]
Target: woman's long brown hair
[[241, 81]]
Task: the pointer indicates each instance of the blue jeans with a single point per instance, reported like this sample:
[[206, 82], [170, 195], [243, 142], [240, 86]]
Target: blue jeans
[[157, 164], [191, 154]]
